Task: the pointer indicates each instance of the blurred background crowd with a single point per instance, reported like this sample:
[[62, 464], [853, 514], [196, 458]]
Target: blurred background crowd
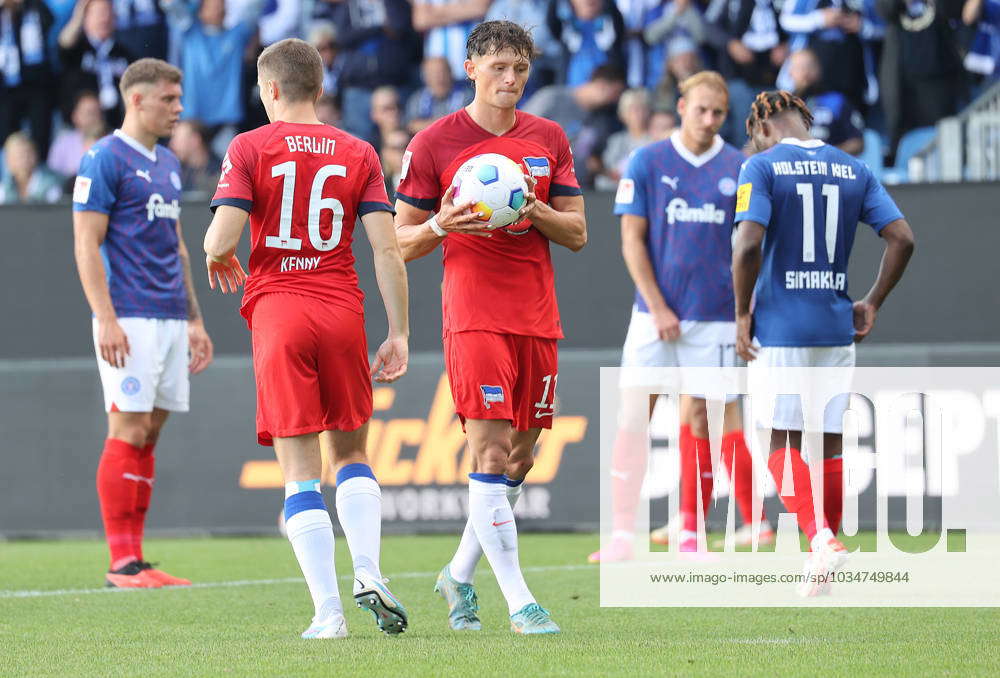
[[876, 73]]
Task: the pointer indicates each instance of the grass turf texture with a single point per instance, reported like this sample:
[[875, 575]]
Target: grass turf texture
[[252, 630]]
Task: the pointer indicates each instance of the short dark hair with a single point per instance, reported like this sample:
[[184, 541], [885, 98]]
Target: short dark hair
[[148, 71], [297, 67], [774, 103], [492, 37], [608, 73]]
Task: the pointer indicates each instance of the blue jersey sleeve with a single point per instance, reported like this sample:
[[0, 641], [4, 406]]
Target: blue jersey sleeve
[[753, 195], [631, 197], [879, 209], [991, 12], [94, 189]]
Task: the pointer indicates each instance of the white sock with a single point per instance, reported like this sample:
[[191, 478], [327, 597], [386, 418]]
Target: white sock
[[463, 563], [359, 510], [493, 520], [310, 532]]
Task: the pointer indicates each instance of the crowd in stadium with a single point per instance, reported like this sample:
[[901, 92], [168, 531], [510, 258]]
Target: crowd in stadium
[[607, 70]]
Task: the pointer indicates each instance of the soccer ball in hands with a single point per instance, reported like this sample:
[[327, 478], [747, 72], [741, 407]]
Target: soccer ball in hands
[[495, 185]]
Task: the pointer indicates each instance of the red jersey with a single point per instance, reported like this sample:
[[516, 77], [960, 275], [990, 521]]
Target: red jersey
[[505, 283], [304, 187]]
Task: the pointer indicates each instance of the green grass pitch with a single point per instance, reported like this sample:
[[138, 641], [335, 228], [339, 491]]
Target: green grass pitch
[[229, 627]]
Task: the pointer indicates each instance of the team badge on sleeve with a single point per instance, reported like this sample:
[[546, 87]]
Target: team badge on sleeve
[[626, 191], [538, 167], [492, 394], [743, 197], [407, 157], [81, 190]]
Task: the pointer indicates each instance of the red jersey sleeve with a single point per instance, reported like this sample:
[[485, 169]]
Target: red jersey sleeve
[[564, 176], [373, 195], [419, 184], [236, 181]]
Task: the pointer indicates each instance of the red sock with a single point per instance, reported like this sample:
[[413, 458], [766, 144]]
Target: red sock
[[833, 491], [143, 493], [117, 496], [628, 468], [739, 463], [689, 480], [801, 502], [705, 474]]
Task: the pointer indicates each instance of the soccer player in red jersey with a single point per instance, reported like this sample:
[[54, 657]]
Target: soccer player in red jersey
[[501, 321], [148, 330], [303, 184]]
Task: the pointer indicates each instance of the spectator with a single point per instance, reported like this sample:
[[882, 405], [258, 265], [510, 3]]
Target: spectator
[[212, 60], [591, 33], [279, 19], [832, 29], [531, 15], [70, 144], [386, 113], [25, 180], [634, 112], [834, 119], [328, 111], [635, 14], [922, 78], [439, 96], [749, 57], [984, 16], [141, 28], [323, 36], [199, 167], [92, 59], [26, 78], [392, 158], [673, 31], [586, 113], [379, 48], [661, 125], [447, 24]]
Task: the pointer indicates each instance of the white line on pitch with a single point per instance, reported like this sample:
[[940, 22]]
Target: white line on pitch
[[258, 582]]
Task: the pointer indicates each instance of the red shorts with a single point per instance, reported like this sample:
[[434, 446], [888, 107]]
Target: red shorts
[[502, 376], [310, 360]]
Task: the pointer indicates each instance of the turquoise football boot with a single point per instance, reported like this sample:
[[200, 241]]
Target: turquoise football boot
[[462, 602], [532, 619]]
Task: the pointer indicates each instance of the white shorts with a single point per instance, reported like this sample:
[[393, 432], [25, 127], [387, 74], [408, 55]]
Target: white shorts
[[156, 370], [825, 392], [702, 343]]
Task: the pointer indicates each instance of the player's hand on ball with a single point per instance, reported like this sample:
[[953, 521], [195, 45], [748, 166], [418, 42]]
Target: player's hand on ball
[[864, 319], [459, 218], [391, 360], [200, 346], [112, 342], [744, 338], [530, 200], [668, 327], [229, 275]]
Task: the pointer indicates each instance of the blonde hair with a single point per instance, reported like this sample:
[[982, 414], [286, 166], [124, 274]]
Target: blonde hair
[[710, 79], [148, 71], [296, 66], [633, 97]]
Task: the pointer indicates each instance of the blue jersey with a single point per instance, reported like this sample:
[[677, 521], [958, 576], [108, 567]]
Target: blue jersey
[[810, 197], [140, 191], [688, 202]]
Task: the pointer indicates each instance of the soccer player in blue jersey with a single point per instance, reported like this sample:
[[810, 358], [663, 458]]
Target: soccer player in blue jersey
[[677, 201], [136, 276], [798, 205]]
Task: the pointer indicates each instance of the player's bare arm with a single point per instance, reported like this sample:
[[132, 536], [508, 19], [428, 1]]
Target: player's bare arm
[[563, 222], [393, 355], [221, 239], [746, 266], [899, 245], [640, 267], [89, 231], [415, 227], [199, 343]]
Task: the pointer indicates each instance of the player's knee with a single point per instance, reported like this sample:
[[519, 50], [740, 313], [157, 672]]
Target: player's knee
[[133, 433], [698, 418], [493, 456], [518, 468]]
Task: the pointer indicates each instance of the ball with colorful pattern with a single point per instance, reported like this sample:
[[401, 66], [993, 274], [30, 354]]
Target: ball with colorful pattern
[[495, 185]]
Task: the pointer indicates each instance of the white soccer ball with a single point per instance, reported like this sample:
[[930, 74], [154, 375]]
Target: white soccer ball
[[496, 186]]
